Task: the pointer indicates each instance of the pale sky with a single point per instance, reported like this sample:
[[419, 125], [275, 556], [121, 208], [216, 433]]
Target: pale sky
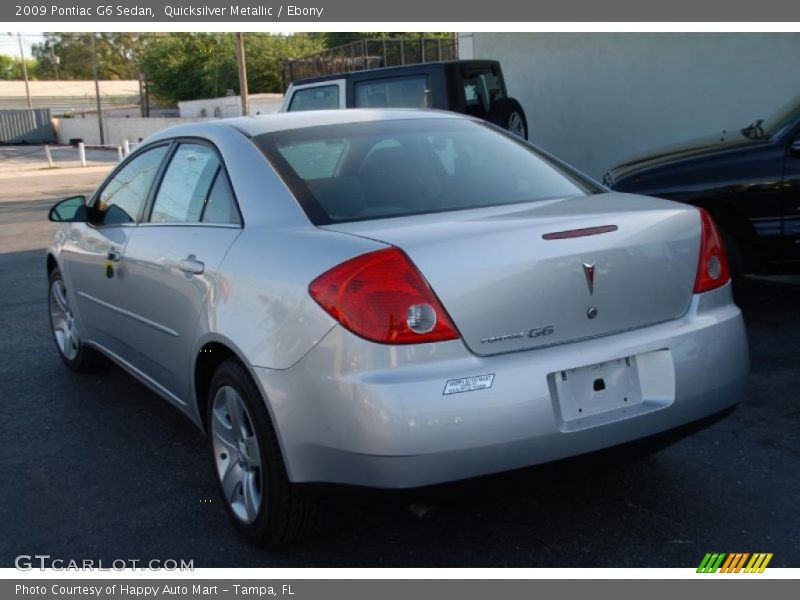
[[9, 44]]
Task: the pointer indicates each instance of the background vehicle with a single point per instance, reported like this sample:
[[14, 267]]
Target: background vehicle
[[748, 179], [471, 87], [390, 299]]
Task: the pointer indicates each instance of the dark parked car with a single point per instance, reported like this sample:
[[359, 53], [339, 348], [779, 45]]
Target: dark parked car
[[472, 87], [748, 179]]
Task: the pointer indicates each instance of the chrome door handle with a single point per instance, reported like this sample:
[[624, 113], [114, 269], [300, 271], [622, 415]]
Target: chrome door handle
[[191, 266], [114, 255]]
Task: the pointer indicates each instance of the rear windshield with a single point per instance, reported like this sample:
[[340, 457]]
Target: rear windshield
[[393, 168]]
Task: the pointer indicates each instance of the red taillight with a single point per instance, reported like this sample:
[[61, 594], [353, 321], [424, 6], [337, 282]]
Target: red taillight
[[712, 269], [382, 297]]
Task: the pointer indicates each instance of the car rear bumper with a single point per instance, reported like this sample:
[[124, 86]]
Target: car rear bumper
[[360, 413]]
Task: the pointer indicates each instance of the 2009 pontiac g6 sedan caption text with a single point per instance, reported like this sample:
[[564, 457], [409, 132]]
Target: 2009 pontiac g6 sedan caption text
[[101, 10], [336, 296]]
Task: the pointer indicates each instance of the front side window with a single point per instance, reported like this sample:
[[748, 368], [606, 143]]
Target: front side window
[[319, 97], [124, 195], [395, 92], [411, 166]]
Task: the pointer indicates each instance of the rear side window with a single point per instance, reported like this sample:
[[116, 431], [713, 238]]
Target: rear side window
[[320, 97], [184, 188], [392, 168], [395, 92], [124, 195], [481, 90], [221, 205]]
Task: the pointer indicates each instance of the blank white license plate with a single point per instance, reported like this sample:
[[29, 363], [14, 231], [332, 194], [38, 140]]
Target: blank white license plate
[[599, 388]]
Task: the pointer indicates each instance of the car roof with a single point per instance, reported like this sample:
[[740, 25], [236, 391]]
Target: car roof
[[263, 124], [260, 124]]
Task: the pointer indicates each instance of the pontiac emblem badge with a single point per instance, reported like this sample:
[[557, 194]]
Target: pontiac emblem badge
[[588, 270]]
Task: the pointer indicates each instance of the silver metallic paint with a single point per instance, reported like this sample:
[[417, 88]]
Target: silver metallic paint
[[496, 275], [348, 410], [380, 418]]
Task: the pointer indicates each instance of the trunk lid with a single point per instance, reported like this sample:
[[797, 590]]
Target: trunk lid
[[509, 284]]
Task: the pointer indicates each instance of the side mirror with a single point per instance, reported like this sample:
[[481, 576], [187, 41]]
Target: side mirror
[[794, 148], [70, 210]]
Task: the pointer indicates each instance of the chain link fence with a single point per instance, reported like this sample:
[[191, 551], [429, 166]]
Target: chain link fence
[[370, 53]]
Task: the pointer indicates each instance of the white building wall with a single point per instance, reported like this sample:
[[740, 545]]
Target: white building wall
[[226, 106], [230, 106], [116, 129], [595, 99]]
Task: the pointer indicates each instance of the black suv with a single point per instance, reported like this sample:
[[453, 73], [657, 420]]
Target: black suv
[[748, 179], [472, 87]]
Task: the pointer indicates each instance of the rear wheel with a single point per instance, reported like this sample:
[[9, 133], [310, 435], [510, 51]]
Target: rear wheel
[[264, 506], [75, 354], [508, 114]]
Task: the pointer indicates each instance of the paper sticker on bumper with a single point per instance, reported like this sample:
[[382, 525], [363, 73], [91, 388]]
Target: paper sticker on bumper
[[468, 384]]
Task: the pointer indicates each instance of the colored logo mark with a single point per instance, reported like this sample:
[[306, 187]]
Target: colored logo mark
[[720, 562]]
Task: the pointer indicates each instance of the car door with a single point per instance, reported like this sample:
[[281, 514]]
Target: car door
[[791, 197], [171, 262], [93, 254]]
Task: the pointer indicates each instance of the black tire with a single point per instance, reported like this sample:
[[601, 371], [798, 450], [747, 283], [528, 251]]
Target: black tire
[[87, 359], [505, 113], [287, 514]]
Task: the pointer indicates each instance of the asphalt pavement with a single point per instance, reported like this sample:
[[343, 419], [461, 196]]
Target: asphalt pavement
[[96, 466], [15, 159]]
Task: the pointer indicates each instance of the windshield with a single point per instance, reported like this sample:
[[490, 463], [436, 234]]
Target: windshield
[[394, 168], [786, 115]]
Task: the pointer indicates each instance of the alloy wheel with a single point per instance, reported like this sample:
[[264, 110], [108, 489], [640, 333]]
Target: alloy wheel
[[515, 124], [236, 454], [62, 321]]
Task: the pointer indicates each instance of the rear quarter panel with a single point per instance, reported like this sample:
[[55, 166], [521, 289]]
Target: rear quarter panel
[[262, 306]]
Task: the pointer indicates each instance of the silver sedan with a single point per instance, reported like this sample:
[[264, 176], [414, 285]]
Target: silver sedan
[[390, 299]]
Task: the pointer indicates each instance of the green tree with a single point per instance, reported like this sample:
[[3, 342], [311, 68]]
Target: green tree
[[183, 66], [264, 53], [118, 55], [11, 68], [186, 66]]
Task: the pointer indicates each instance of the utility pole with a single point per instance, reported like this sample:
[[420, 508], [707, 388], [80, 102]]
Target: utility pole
[[141, 95], [242, 72], [56, 60], [24, 72], [97, 91]]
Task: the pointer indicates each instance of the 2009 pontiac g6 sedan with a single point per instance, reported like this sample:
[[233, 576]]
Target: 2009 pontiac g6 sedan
[[390, 299]]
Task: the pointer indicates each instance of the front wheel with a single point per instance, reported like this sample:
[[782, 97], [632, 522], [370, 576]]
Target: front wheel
[[264, 506], [75, 354]]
